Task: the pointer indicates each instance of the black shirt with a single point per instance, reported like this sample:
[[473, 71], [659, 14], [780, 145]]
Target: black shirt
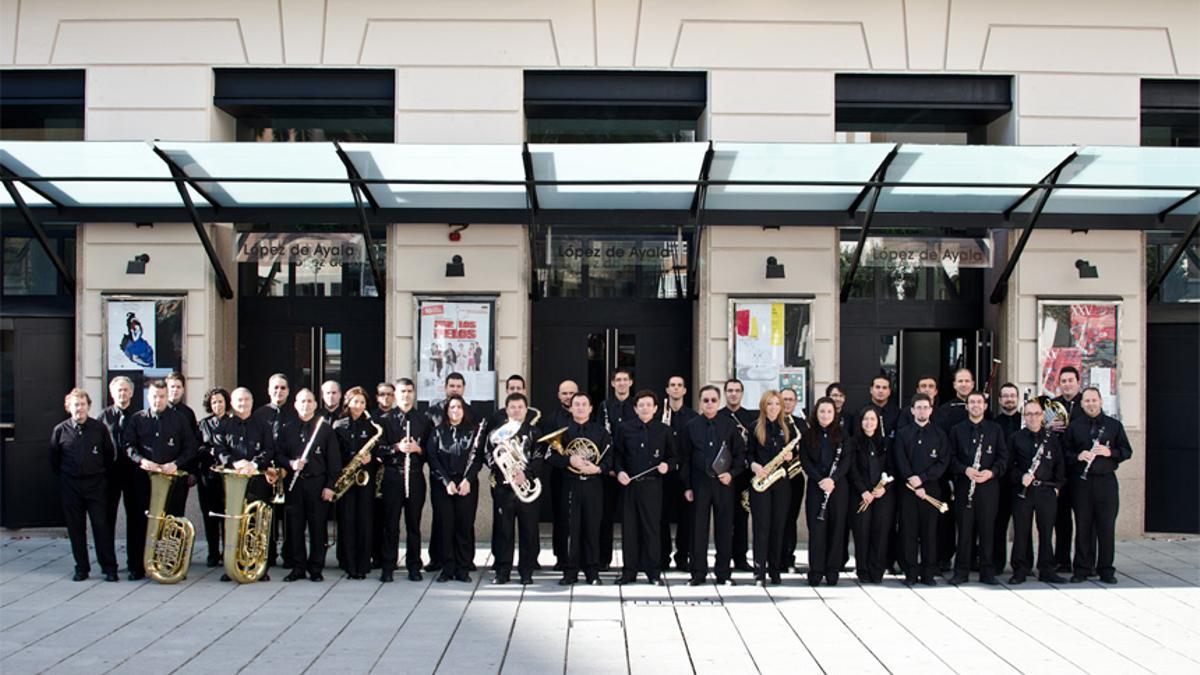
[[1010, 424], [526, 436], [988, 437], [353, 434], [702, 440], [398, 424], [746, 419], [163, 438], [324, 458], [824, 458], [188, 414], [889, 418], [115, 420], [81, 450], [921, 451], [680, 419], [614, 412], [247, 439], [952, 413], [870, 461], [1025, 445], [1073, 405], [275, 417], [638, 446], [453, 454], [330, 416], [593, 431], [1085, 432], [761, 453], [209, 428]]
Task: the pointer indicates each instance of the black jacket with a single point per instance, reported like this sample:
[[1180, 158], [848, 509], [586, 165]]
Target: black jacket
[[115, 420], [210, 427], [1084, 432], [593, 431], [613, 413], [889, 417], [324, 457], [702, 439], [82, 450], [162, 438], [275, 417], [921, 451], [637, 446], [819, 456], [679, 420], [526, 437], [453, 453], [1009, 424], [1025, 445], [353, 434], [966, 436], [396, 424], [870, 460], [247, 439], [762, 453]]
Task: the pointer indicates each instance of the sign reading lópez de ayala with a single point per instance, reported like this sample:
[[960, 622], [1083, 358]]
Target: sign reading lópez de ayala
[[927, 252], [330, 248]]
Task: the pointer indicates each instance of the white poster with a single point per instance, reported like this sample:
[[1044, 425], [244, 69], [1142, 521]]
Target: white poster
[[455, 336], [758, 348], [131, 334]]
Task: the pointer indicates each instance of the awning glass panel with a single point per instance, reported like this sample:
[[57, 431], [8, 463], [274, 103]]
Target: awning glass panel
[[1130, 166], [442, 162], [617, 162], [264, 160]]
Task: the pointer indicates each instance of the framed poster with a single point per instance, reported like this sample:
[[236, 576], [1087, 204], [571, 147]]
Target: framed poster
[[1083, 334], [770, 347], [142, 337], [456, 334]]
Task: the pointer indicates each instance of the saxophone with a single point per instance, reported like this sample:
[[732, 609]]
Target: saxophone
[[355, 472], [168, 552], [776, 469], [246, 545]]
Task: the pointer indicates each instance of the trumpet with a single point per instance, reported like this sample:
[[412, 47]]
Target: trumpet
[[884, 479], [933, 501]]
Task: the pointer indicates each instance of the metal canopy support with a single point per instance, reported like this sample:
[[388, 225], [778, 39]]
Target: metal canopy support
[[177, 171], [699, 201], [1050, 177], [1001, 288], [1162, 215], [1180, 248], [356, 185], [531, 204], [38, 231], [355, 177], [181, 181], [878, 177], [9, 173]]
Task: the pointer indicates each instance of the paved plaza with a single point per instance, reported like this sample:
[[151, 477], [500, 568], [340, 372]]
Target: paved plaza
[[1149, 622]]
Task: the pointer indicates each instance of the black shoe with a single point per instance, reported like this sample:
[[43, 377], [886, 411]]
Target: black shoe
[[526, 579], [567, 581], [1078, 578], [910, 581], [989, 581], [111, 576], [387, 577], [224, 577], [316, 576], [1051, 578], [558, 567], [265, 577], [499, 580], [775, 579], [415, 575], [137, 576], [928, 581], [595, 581], [433, 566], [79, 576], [294, 575], [537, 565], [831, 579], [1108, 578], [760, 580], [694, 581], [814, 580], [683, 566], [743, 566], [626, 579], [471, 567], [1063, 568], [443, 578], [214, 562], [958, 579], [1016, 579], [658, 581], [463, 577]]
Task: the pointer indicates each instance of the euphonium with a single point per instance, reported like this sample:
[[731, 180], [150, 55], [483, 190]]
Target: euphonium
[[355, 472], [776, 468], [246, 545], [169, 540], [509, 458]]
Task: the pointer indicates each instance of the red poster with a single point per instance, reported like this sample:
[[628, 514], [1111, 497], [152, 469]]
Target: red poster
[[742, 322]]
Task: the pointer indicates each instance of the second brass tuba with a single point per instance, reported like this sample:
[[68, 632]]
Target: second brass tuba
[[169, 539], [247, 544]]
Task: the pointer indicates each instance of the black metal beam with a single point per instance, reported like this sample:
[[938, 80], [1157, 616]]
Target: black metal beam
[[531, 204], [38, 232], [355, 177], [369, 241], [177, 170], [223, 285], [876, 176], [1176, 253], [880, 175], [1001, 288], [9, 173], [530, 181], [696, 213], [705, 169], [1162, 215], [1029, 193]]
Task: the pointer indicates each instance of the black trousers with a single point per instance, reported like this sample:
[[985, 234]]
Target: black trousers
[[560, 528], [791, 526], [130, 482], [86, 498], [1004, 511], [770, 510], [918, 533], [210, 487], [377, 522], [307, 511], [456, 527], [585, 504], [977, 521], [354, 528], [613, 508], [825, 536], [713, 503], [514, 524], [641, 518], [1041, 503], [677, 510], [395, 506], [1097, 500], [741, 520], [436, 554], [947, 523], [1063, 523], [872, 534]]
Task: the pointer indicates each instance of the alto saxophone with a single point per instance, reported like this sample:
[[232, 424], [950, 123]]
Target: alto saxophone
[[776, 468], [355, 472], [247, 545], [168, 552]]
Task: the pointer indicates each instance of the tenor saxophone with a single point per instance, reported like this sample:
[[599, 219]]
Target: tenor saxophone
[[168, 552]]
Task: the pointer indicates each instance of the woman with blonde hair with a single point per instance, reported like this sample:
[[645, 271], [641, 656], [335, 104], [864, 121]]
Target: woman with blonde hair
[[770, 435]]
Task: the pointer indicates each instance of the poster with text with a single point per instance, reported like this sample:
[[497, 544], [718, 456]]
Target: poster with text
[[1082, 335], [455, 336], [771, 347]]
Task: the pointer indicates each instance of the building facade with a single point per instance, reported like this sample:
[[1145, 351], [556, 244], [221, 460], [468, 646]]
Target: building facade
[[1026, 73]]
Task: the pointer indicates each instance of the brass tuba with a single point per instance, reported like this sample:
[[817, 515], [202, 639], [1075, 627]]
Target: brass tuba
[[246, 545], [168, 552], [509, 457], [355, 472]]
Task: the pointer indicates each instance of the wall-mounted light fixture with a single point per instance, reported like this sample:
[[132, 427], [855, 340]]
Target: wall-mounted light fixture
[[138, 264], [455, 267], [1086, 269], [774, 269]]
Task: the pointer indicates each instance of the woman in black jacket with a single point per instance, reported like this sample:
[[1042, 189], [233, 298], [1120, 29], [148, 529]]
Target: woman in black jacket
[[767, 439], [355, 508], [826, 461], [873, 525], [210, 484], [452, 451]]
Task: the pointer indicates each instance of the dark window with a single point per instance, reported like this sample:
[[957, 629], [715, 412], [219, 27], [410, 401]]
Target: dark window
[[1182, 283], [41, 105], [1171, 113], [28, 270], [938, 104], [587, 264], [613, 107]]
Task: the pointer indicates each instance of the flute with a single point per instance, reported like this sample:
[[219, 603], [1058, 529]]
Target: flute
[[304, 455]]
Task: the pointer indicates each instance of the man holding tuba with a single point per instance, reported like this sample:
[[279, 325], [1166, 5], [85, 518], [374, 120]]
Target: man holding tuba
[[159, 439], [582, 459], [309, 448], [510, 512], [644, 451], [245, 443]]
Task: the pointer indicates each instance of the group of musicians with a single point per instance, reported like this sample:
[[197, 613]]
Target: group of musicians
[[927, 491]]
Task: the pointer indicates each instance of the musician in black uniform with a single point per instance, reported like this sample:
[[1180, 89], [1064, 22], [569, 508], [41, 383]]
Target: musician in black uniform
[[159, 439], [1009, 419], [713, 452], [453, 453], [354, 430], [455, 385], [795, 418], [385, 402], [244, 442], [744, 419], [826, 461], [510, 515], [584, 493], [402, 463], [1071, 399], [210, 484], [920, 454], [557, 419], [309, 449], [515, 384], [881, 401], [275, 414], [928, 385], [81, 455], [676, 509], [644, 451], [1096, 445], [835, 391], [771, 433], [615, 411], [126, 478], [979, 456], [331, 401], [874, 525], [953, 413], [1035, 491]]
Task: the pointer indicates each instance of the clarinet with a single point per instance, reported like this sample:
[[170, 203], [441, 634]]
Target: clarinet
[[832, 470], [1033, 466], [666, 416], [1095, 443], [975, 465]]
